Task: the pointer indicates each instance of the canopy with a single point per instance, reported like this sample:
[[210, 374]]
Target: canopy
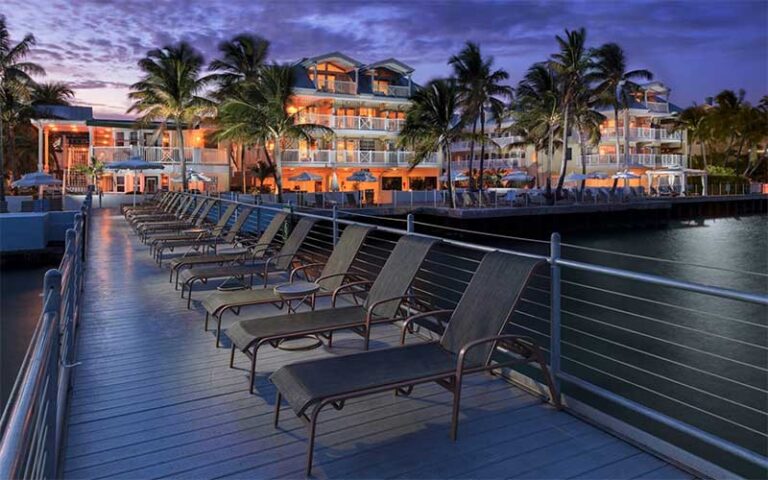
[[679, 172], [135, 163], [36, 179], [306, 177], [362, 176]]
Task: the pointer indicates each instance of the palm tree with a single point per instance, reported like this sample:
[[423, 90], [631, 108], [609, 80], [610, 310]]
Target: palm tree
[[170, 91], [52, 93], [587, 121], [481, 90], [260, 114], [695, 121], [242, 59], [537, 109], [431, 125], [262, 171], [573, 66], [15, 89], [93, 170], [617, 85]]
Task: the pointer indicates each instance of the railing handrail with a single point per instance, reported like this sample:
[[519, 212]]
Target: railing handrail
[[33, 418]]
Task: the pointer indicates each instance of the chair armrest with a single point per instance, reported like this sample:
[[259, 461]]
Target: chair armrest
[[343, 274], [348, 286], [408, 321], [301, 269]]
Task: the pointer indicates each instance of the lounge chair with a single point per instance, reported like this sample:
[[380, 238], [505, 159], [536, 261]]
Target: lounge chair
[[473, 332], [382, 305], [174, 211], [194, 220], [257, 249], [200, 239], [280, 263], [161, 204], [335, 271]]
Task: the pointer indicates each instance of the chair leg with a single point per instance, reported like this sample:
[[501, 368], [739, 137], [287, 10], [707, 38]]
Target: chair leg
[[312, 431], [205, 326], [330, 339], [456, 405], [232, 357], [253, 369], [218, 331], [277, 407], [189, 297]]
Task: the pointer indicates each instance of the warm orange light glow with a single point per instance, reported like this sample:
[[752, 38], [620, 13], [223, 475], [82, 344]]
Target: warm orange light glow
[[291, 110]]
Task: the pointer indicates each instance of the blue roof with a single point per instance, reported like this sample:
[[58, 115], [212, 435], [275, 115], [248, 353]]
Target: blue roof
[[64, 112]]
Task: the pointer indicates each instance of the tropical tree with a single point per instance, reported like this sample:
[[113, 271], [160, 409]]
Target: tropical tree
[[617, 85], [587, 121], [481, 91], [262, 171], [93, 170], [242, 59], [431, 125], [573, 65], [16, 86], [259, 114], [52, 93], [171, 91], [695, 121], [537, 112]]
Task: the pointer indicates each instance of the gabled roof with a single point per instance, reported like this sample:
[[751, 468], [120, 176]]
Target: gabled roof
[[392, 64], [336, 57]]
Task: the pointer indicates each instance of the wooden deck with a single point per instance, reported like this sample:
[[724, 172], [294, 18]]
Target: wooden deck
[[154, 398]]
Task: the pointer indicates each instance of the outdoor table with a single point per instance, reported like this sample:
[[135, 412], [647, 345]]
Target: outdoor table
[[289, 293]]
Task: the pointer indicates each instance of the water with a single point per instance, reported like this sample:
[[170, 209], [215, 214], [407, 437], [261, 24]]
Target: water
[[20, 303]]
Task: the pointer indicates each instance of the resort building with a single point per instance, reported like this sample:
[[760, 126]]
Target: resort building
[[652, 144], [364, 105], [71, 136]]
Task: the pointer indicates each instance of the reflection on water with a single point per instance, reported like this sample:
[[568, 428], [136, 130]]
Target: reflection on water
[[20, 304]]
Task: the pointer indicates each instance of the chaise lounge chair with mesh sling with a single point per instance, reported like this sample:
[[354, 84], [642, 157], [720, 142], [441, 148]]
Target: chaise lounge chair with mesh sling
[[282, 262], [191, 219], [201, 240], [258, 249], [165, 199], [158, 211], [173, 213], [382, 305], [473, 332], [335, 271]]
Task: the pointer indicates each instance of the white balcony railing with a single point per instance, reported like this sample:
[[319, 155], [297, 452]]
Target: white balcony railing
[[338, 86], [658, 107], [641, 134], [651, 160], [514, 162], [398, 91], [167, 155], [501, 141], [359, 157], [348, 122]]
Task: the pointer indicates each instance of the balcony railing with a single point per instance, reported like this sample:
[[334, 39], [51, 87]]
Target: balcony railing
[[513, 162], [645, 159], [361, 157], [169, 155], [338, 86], [500, 140], [396, 91], [349, 122], [658, 107], [642, 134]]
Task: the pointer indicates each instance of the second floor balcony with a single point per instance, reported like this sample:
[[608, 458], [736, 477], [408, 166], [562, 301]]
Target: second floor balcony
[[642, 134], [349, 122], [168, 155], [370, 158], [650, 160]]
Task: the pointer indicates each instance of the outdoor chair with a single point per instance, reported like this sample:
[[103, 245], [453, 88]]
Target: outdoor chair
[[194, 221], [172, 213], [257, 249], [161, 204], [473, 333], [335, 271], [282, 262], [382, 305]]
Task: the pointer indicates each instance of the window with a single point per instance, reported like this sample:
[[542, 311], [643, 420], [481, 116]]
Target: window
[[366, 144], [134, 138], [120, 181], [119, 139]]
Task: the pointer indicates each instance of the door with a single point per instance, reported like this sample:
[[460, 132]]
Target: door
[[150, 184]]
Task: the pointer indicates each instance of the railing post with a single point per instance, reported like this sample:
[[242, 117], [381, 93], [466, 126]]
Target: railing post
[[52, 305], [554, 312], [335, 216], [409, 223]]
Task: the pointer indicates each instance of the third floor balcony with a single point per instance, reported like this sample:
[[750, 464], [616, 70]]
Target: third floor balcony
[[642, 134], [650, 160], [370, 158], [349, 122]]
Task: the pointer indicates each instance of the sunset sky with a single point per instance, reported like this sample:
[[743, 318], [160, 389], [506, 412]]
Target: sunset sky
[[697, 48]]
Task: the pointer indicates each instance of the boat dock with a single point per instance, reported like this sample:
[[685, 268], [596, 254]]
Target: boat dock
[[152, 396]]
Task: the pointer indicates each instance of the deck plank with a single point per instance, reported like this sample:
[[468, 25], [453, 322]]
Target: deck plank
[[155, 398]]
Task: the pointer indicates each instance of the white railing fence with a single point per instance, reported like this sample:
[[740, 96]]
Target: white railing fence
[[33, 420], [362, 157], [169, 155]]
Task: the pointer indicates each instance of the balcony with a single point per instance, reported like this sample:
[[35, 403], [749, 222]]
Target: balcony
[[371, 158], [394, 91], [658, 107], [642, 134], [339, 86], [517, 161], [651, 160], [500, 140], [353, 122], [168, 155]]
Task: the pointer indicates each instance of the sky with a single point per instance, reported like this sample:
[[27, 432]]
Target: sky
[[696, 48]]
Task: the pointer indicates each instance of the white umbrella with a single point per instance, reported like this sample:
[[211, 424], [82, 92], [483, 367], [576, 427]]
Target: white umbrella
[[334, 182], [626, 175], [362, 176], [576, 177], [36, 179], [455, 177], [137, 164], [306, 177], [516, 177]]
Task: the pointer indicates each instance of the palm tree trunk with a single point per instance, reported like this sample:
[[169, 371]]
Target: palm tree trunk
[[279, 170], [626, 138], [565, 149], [242, 164], [482, 150], [184, 181], [704, 154], [550, 153], [445, 152], [472, 156], [616, 132], [11, 150]]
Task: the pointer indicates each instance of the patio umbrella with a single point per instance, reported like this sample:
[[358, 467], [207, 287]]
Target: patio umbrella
[[597, 176], [455, 177], [362, 176], [137, 164], [626, 175], [334, 182], [36, 179], [576, 177], [306, 177], [516, 177], [194, 176]]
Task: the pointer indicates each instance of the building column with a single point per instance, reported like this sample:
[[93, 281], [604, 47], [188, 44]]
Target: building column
[[46, 152], [40, 148], [410, 85]]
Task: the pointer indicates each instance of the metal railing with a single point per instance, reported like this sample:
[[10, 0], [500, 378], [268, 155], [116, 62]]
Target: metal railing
[[353, 122], [679, 356], [362, 157], [169, 155], [33, 420]]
